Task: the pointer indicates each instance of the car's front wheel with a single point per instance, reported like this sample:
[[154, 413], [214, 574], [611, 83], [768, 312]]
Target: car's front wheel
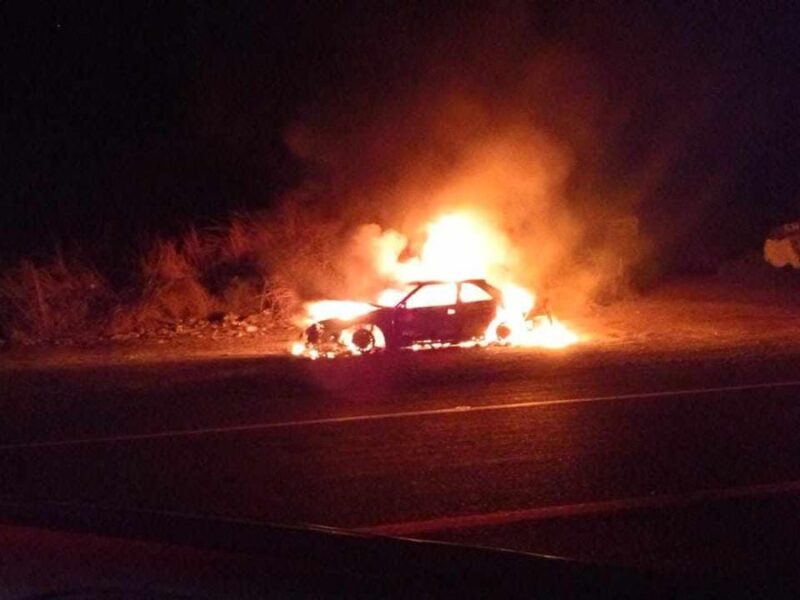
[[364, 339]]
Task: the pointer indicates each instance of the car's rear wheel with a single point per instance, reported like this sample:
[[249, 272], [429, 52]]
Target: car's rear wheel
[[503, 332]]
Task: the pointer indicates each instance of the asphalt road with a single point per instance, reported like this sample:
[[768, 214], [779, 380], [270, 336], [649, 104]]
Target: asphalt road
[[686, 461]]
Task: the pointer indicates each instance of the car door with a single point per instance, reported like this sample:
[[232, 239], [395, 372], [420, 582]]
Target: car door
[[475, 310], [429, 314]]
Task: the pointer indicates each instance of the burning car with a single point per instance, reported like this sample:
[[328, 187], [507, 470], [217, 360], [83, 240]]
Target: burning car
[[448, 302], [423, 314]]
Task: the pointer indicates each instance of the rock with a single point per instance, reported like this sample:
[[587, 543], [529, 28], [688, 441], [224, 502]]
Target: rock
[[251, 329], [216, 317]]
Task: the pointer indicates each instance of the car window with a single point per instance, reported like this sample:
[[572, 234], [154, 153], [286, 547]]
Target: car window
[[435, 294], [392, 296], [472, 293]]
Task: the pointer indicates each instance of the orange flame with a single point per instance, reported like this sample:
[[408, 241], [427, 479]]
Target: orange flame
[[337, 309], [457, 246]]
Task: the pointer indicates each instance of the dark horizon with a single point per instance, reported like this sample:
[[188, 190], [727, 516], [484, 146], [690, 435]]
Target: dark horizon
[[126, 123]]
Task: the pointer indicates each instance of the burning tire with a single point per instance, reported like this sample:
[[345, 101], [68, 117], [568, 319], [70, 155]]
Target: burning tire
[[364, 340], [503, 332]]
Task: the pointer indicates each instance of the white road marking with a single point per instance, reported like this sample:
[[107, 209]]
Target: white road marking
[[393, 415], [603, 507]]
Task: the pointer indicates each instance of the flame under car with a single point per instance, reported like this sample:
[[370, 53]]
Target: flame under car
[[429, 313]]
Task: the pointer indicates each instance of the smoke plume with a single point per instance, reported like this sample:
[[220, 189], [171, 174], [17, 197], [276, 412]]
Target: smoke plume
[[558, 131]]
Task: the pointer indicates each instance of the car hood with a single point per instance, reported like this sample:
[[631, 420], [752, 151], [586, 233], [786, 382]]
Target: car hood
[[374, 317]]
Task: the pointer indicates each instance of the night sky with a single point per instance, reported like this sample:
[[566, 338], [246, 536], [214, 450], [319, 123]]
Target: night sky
[[125, 120]]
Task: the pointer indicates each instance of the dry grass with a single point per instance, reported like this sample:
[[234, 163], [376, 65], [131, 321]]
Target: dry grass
[[52, 300], [166, 261], [250, 264]]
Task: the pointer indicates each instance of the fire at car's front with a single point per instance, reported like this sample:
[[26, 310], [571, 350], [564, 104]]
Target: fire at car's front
[[340, 327]]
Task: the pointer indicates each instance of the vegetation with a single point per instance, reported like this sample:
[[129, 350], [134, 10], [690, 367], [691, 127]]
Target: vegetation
[[250, 265]]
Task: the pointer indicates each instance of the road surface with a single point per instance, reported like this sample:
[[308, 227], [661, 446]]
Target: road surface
[[674, 460]]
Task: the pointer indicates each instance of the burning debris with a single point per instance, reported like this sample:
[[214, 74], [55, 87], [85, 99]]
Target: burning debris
[[782, 247], [439, 297]]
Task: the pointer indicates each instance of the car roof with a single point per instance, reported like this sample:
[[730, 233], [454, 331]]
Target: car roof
[[430, 281]]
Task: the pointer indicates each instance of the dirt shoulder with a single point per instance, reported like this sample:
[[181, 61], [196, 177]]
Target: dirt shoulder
[[699, 313], [687, 315], [167, 347]]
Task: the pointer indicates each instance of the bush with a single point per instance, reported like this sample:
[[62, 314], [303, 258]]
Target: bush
[[164, 302]]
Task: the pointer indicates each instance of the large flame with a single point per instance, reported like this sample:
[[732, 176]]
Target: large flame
[[458, 246]]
